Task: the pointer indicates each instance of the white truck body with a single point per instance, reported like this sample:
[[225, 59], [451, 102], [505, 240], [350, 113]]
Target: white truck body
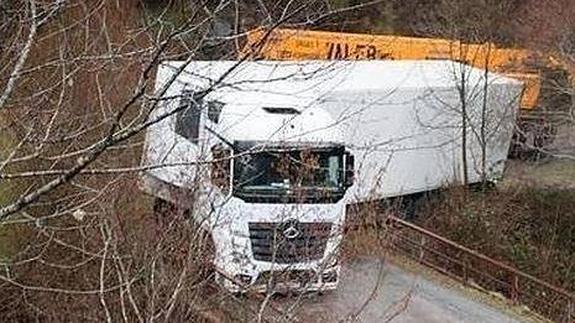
[[401, 120]]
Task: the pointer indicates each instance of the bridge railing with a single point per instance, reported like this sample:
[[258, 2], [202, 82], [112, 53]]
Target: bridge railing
[[480, 271]]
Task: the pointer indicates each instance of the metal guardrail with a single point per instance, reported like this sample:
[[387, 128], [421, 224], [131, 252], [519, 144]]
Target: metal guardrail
[[477, 270]]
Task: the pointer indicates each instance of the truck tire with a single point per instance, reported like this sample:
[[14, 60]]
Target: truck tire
[[165, 212]]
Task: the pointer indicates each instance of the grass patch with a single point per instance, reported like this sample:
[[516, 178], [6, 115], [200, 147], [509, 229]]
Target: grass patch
[[530, 228], [557, 173]]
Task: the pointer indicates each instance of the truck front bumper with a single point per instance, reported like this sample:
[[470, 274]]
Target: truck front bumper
[[281, 281]]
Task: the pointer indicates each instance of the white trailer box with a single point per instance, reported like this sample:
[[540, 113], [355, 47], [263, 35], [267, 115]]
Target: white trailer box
[[407, 122], [403, 121]]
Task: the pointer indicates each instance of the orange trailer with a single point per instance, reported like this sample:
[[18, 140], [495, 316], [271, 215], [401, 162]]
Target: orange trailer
[[535, 129], [293, 44]]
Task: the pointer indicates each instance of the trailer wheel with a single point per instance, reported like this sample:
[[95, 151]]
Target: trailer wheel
[[486, 186], [532, 139], [542, 139]]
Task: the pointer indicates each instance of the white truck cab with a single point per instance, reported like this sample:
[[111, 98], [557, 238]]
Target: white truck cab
[[264, 173]]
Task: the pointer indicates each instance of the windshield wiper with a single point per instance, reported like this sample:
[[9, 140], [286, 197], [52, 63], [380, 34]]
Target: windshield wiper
[[263, 188]]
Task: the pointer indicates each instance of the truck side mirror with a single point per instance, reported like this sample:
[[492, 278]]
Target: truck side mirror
[[349, 169], [221, 168]]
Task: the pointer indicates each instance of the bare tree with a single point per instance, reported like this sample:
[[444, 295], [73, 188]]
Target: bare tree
[[474, 30], [76, 94]]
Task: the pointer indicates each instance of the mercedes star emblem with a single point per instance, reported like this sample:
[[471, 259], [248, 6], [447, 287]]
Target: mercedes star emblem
[[291, 232]]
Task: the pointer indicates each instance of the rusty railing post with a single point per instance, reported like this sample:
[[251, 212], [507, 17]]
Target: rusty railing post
[[422, 248], [465, 274], [570, 310], [514, 293]]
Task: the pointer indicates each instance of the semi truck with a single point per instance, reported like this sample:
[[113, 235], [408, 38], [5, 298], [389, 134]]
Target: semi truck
[[542, 102], [265, 156]]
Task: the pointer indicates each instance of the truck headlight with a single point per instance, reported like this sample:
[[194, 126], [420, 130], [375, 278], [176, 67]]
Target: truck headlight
[[329, 276], [243, 279]]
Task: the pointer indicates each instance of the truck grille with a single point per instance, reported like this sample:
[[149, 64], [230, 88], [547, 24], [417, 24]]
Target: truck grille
[[288, 242], [300, 277]]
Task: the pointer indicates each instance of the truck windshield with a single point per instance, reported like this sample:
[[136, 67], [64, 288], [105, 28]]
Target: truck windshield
[[294, 175]]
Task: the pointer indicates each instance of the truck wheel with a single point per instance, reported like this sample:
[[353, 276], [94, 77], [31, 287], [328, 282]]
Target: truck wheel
[[482, 187], [165, 212], [163, 208], [206, 255], [411, 205]]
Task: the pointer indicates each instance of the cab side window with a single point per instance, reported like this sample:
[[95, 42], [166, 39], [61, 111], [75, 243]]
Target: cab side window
[[214, 110], [188, 118]]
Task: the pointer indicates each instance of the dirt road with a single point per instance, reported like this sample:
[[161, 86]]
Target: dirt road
[[374, 291]]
